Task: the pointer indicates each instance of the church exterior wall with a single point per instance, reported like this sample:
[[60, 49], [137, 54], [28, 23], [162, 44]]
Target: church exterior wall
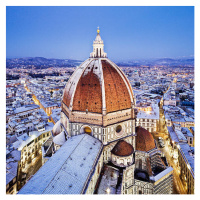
[[93, 181], [105, 134], [143, 187], [128, 180], [141, 160]]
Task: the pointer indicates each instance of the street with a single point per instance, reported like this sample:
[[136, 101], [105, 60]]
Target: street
[[32, 168], [178, 185]]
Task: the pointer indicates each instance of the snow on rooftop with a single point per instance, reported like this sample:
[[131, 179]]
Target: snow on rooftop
[[17, 144], [11, 171], [59, 139], [25, 108], [185, 148], [188, 119], [75, 76], [178, 119], [109, 180], [154, 114], [161, 174], [33, 134], [172, 134], [16, 155], [23, 137], [56, 129], [180, 136], [186, 131], [67, 171]]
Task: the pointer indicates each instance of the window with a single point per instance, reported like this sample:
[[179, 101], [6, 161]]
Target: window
[[87, 130], [118, 128], [140, 163]]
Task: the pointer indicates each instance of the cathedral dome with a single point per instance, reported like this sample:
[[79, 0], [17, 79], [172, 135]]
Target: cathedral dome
[[144, 140], [98, 86], [122, 148]]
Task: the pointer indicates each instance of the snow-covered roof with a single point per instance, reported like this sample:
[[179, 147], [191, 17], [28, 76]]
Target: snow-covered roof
[[26, 108], [188, 119], [33, 134], [17, 143], [178, 119], [16, 155], [172, 134], [185, 148], [154, 114], [68, 170], [11, 171], [59, 139], [180, 135], [56, 129], [23, 137], [186, 132], [109, 180], [161, 174]]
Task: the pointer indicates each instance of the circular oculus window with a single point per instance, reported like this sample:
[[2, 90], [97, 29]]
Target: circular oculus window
[[87, 130], [119, 131]]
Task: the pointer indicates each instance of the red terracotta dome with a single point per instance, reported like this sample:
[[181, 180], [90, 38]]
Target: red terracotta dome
[[144, 140], [122, 148], [97, 85]]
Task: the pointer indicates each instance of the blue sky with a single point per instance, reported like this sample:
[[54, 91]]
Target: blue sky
[[128, 32]]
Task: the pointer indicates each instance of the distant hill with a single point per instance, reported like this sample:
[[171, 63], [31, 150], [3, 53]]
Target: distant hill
[[40, 62], [161, 61]]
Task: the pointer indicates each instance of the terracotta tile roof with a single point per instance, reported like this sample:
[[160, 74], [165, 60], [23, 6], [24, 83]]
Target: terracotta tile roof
[[117, 95], [67, 96], [144, 140], [122, 148], [88, 91], [88, 94]]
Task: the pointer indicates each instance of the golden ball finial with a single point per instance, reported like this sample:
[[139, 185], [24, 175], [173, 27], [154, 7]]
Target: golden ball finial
[[98, 29]]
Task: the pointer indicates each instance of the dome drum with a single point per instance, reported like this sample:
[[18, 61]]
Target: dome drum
[[97, 119], [122, 161], [85, 129]]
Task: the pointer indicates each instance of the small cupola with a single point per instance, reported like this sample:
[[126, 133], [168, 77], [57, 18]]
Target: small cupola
[[98, 45]]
